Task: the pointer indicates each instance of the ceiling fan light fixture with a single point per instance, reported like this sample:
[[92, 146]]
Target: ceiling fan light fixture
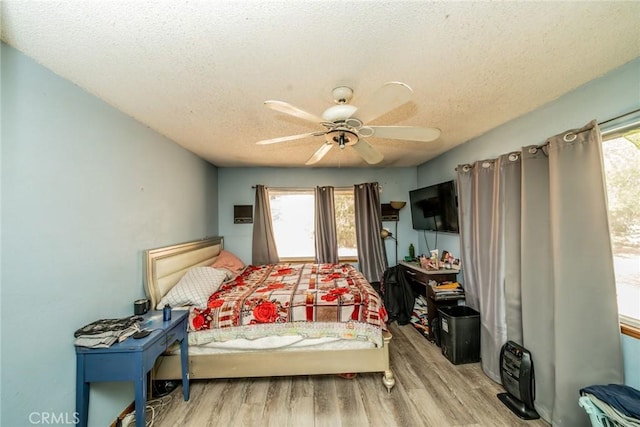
[[339, 113], [342, 137]]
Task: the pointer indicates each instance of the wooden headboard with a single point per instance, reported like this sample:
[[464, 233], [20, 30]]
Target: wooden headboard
[[165, 266]]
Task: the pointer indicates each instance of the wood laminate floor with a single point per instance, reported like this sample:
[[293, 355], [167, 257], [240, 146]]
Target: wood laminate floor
[[429, 391]]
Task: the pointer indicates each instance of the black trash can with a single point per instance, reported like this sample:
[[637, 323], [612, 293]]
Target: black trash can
[[460, 334]]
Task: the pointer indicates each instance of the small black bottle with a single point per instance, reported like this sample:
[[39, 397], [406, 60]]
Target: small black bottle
[[166, 313]]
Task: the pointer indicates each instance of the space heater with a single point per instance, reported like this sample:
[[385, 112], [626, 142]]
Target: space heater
[[516, 373]]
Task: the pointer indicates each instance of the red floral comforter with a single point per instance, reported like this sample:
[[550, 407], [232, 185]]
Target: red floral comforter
[[285, 293]]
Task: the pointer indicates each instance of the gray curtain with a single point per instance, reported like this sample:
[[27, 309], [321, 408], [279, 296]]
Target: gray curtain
[[489, 202], [536, 253], [263, 249], [372, 255], [326, 236]]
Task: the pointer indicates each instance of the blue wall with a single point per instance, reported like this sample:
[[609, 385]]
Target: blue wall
[[235, 189], [85, 189], [616, 93]]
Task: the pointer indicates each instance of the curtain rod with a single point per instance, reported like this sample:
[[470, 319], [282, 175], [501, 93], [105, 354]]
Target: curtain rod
[[628, 113], [573, 134], [287, 188], [305, 188], [619, 117], [310, 188]]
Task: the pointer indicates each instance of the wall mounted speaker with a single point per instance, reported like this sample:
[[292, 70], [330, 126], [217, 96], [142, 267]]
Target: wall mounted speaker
[[243, 214]]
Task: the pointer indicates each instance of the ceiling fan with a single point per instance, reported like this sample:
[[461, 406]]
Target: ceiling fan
[[345, 124]]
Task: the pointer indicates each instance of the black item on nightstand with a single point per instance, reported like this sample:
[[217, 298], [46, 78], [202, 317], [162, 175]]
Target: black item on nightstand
[[141, 334]]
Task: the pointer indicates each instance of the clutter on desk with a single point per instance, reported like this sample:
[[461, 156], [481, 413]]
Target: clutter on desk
[[435, 262], [104, 333], [442, 289]]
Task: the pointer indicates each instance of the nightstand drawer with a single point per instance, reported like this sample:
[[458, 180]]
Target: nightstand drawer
[[177, 333], [157, 347]]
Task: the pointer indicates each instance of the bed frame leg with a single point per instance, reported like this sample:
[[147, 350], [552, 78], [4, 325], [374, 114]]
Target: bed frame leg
[[388, 380]]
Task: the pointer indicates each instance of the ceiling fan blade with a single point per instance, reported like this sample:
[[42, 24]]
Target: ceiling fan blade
[[287, 108], [288, 138], [408, 133], [318, 155], [367, 152], [390, 96]]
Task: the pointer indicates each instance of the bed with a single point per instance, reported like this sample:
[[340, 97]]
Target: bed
[[218, 350]]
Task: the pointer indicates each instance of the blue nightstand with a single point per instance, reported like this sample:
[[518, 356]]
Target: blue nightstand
[[131, 360]]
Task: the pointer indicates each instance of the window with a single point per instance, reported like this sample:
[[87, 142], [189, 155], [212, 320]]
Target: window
[[292, 216], [292, 212], [622, 172], [346, 223]]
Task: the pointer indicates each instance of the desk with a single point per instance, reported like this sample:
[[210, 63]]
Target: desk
[[419, 278], [131, 360]]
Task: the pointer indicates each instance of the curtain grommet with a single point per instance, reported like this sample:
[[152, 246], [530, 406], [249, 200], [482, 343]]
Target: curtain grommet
[[533, 150], [486, 165], [570, 137], [514, 156]]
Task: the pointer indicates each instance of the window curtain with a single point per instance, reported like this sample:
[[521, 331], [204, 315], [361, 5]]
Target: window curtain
[[538, 266], [372, 255], [487, 193], [326, 236], [263, 249]]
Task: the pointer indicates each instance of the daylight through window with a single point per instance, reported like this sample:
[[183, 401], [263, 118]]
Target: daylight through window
[[622, 172], [292, 212]]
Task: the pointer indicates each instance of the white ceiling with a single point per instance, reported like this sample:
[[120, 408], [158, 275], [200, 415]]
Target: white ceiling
[[199, 71]]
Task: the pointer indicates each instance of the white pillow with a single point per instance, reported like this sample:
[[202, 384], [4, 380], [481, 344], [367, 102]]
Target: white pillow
[[194, 288]]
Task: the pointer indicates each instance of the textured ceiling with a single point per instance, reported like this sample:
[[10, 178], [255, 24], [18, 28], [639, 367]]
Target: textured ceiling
[[199, 71]]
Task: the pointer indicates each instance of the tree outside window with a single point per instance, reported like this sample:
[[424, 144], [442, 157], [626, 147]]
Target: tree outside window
[[622, 174]]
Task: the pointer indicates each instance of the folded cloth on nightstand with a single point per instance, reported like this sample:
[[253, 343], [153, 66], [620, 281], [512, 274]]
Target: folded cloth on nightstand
[[105, 332]]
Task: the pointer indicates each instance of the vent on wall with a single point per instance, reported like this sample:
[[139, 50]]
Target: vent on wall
[[389, 213], [243, 214]]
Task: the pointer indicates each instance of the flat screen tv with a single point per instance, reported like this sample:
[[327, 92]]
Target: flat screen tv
[[435, 208]]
